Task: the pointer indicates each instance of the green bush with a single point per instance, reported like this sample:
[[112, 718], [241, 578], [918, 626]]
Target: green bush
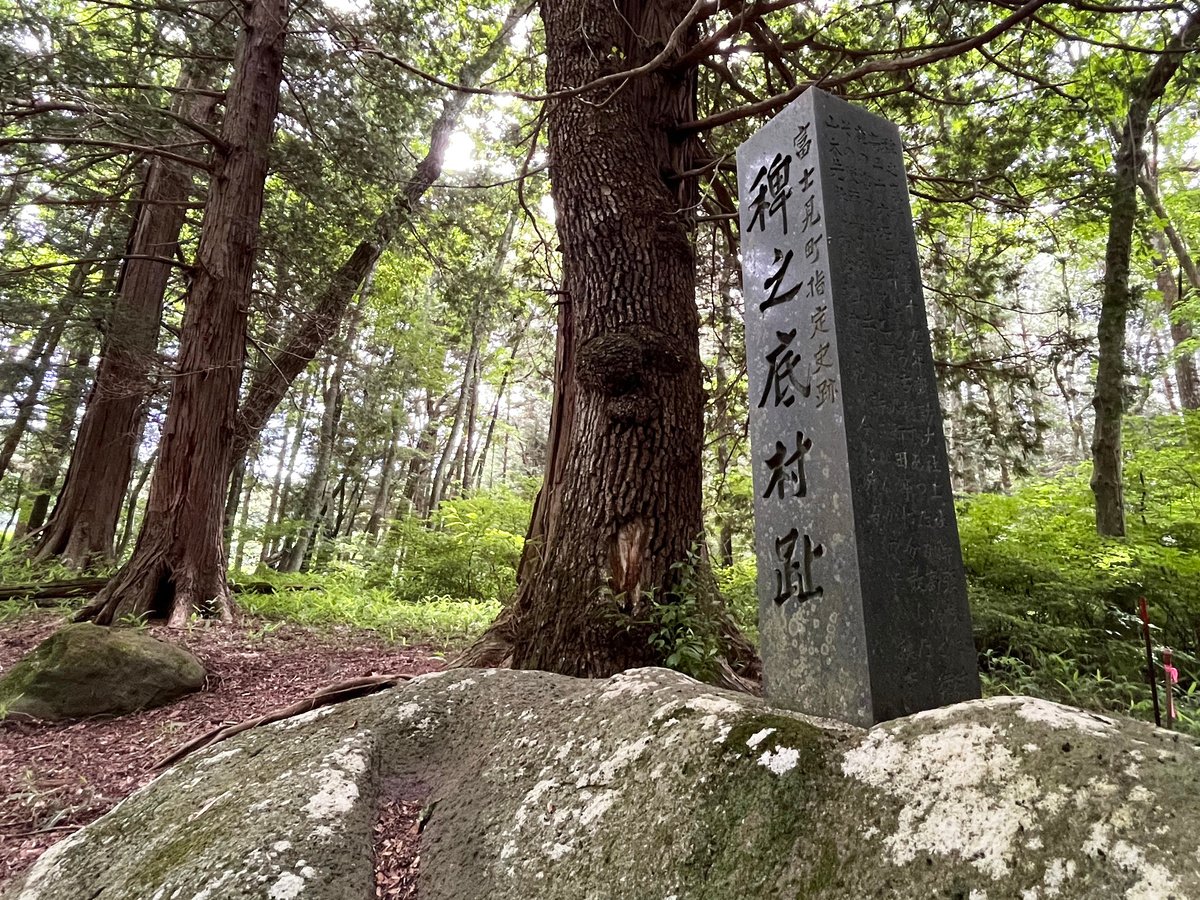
[[739, 588], [1055, 604], [468, 549]]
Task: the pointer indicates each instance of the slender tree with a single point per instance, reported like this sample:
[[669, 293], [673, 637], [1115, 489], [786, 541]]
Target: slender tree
[[178, 564], [1109, 398], [310, 333]]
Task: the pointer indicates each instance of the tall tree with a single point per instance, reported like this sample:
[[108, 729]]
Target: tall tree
[[308, 334], [621, 502], [83, 526], [620, 512], [1109, 398], [178, 564]]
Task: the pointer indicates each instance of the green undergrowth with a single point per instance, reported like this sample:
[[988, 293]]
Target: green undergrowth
[[1055, 605], [318, 601]]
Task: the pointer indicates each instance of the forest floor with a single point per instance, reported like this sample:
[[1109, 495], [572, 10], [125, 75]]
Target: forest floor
[[56, 778]]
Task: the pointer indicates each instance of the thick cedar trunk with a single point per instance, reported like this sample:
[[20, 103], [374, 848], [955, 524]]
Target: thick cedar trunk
[[622, 498], [83, 525], [178, 564], [1109, 399], [309, 335]]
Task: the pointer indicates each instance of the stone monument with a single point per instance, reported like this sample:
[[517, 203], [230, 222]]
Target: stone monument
[[863, 610]]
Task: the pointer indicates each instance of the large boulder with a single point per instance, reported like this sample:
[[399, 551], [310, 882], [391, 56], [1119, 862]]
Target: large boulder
[[651, 785], [85, 670]]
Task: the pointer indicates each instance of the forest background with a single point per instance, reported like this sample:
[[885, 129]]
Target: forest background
[[394, 410]]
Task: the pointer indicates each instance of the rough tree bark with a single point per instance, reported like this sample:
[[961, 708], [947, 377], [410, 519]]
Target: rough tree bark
[[178, 564], [1109, 398], [83, 526], [621, 503]]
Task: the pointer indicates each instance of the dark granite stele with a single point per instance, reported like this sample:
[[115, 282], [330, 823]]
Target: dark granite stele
[[863, 612]]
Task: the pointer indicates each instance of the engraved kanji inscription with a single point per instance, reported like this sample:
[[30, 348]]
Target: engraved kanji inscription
[[773, 190], [793, 569], [787, 470], [781, 373], [775, 280]]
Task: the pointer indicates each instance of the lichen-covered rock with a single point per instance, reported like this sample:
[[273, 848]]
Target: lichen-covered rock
[[85, 670], [650, 785]]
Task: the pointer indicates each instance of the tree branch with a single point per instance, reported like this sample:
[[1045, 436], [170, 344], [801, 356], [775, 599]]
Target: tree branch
[[878, 66]]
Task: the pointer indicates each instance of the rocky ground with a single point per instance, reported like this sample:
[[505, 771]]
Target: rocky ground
[[54, 779]]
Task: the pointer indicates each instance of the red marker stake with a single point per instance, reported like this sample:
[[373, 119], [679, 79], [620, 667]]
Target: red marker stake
[[1170, 679], [1145, 614]]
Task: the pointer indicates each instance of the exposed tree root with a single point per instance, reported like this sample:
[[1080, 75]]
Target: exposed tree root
[[335, 693], [88, 587]]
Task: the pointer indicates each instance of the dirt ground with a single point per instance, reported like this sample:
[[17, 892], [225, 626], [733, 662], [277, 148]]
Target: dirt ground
[[56, 778]]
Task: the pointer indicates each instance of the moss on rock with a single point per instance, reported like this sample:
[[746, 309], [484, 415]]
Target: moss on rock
[[85, 670], [651, 785]]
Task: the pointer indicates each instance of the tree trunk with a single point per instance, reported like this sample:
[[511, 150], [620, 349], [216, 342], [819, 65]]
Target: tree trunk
[[621, 503], [444, 472], [418, 465], [278, 541], [1109, 399], [495, 414], [1163, 241], [1074, 413], [721, 403], [383, 496], [72, 382], [316, 493], [469, 445], [265, 538], [27, 404], [84, 523], [178, 564], [241, 528], [131, 503], [1183, 359], [996, 427]]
